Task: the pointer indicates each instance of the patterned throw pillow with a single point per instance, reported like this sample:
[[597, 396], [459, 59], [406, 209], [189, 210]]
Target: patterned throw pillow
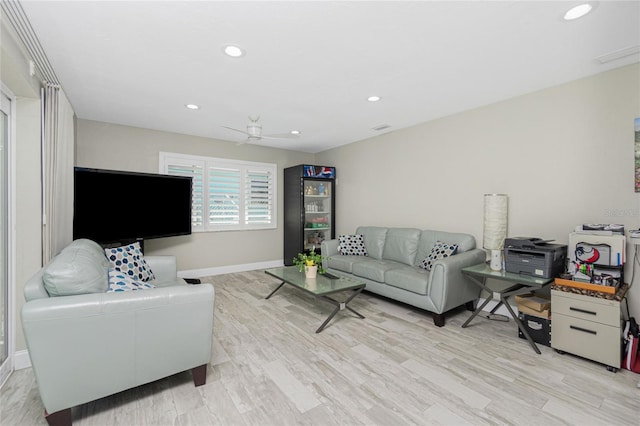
[[119, 281], [129, 260], [439, 251], [351, 245]]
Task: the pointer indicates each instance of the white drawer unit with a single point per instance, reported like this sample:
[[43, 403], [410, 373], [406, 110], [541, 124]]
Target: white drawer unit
[[586, 326]]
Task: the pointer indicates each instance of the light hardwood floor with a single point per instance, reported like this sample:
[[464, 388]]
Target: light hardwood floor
[[393, 368]]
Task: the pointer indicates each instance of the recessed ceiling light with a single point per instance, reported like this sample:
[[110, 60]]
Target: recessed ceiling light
[[295, 132], [373, 98], [577, 11], [192, 106], [233, 51]]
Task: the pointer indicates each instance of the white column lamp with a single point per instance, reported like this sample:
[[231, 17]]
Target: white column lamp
[[495, 227]]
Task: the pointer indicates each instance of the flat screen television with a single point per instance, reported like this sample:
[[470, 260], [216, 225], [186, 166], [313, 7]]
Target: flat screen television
[[116, 206]]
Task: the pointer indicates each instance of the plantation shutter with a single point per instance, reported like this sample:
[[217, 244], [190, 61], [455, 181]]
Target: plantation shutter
[[196, 171], [224, 196], [227, 194], [258, 197]]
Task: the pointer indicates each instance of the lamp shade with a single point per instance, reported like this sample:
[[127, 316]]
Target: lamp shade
[[495, 221]]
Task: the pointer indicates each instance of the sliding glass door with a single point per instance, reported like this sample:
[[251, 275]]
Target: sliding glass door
[[5, 108]]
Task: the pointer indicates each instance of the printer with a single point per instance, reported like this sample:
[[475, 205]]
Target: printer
[[534, 257]]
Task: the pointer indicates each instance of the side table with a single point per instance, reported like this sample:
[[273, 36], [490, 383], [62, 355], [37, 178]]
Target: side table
[[520, 284]]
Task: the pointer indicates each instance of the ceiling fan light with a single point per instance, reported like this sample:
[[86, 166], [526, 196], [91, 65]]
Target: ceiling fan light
[[577, 11], [233, 51]]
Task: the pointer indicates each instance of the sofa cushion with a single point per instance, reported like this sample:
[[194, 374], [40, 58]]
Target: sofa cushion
[[408, 278], [129, 260], [351, 245], [374, 237], [374, 269], [119, 281], [75, 270], [439, 251], [429, 238], [401, 245], [344, 263]]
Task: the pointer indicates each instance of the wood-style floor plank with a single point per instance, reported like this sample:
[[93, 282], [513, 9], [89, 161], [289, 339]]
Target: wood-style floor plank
[[395, 367]]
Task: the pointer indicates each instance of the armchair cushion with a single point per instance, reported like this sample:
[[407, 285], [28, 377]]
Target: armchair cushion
[[76, 270]]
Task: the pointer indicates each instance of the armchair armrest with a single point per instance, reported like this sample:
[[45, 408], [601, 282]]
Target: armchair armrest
[[89, 346], [164, 268], [448, 286]]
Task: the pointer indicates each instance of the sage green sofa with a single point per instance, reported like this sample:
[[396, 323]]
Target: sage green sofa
[[391, 267], [86, 343]]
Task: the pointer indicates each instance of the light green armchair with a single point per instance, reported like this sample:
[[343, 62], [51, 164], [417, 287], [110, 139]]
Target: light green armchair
[[87, 346]]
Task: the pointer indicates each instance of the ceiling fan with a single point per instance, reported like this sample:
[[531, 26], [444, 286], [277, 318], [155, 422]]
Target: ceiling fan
[[254, 131]]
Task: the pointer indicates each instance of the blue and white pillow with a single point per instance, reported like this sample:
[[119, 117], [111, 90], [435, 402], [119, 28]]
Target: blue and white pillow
[[119, 281], [351, 245], [439, 251], [129, 260]]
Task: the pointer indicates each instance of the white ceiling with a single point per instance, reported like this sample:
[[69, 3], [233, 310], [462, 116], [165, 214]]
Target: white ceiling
[[310, 66]]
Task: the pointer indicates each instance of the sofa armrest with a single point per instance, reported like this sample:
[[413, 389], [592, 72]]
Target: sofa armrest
[[448, 286], [88, 346], [328, 248]]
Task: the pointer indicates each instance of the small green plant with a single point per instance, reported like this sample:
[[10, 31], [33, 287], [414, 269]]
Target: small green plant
[[308, 259]]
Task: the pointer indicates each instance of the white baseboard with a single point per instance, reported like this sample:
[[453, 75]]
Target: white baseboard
[[21, 360], [220, 270]]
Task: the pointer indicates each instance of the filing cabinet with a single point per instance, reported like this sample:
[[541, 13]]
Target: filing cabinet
[[586, 326]]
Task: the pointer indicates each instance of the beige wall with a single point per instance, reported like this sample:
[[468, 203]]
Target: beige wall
[[111, 146], [563, 155]]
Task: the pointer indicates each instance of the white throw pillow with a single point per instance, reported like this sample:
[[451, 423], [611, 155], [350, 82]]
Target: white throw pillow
[[439, 251], [119, 281], [129, 260], [351, 245]]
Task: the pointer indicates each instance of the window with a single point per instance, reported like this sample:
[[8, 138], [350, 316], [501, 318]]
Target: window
[[227, 194]]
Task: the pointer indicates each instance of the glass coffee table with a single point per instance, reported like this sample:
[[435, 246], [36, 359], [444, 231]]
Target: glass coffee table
[[321, 287]]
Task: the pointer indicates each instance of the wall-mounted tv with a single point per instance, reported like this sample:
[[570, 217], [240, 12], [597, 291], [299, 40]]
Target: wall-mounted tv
[[116, 206]]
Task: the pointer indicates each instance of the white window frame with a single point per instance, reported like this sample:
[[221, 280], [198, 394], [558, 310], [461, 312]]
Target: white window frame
[[244, 169]]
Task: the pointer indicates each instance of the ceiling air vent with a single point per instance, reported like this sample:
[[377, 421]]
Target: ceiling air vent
[[381, 127]]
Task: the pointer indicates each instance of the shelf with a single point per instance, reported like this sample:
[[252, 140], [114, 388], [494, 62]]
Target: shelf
[[317, 229], [316, 196], [324, 212]]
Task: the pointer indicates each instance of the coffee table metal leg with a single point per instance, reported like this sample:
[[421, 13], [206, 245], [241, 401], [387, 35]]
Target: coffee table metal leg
[[339, 307], [277, 288]]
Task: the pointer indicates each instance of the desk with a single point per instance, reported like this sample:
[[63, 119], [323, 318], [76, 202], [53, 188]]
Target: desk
[[520, 284]]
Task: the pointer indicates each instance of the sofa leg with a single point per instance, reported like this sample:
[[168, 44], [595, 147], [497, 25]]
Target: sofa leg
[[199, 375], [471, 305], [438, 320], [59, 418]]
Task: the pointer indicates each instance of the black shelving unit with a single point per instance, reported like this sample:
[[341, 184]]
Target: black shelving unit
[[309, 208]]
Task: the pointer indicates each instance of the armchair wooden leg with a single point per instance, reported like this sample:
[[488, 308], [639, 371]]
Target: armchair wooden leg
[[199, 375], [59, 418], [438, 320]]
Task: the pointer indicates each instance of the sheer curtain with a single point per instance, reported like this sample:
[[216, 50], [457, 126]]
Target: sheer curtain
[[58, 142]]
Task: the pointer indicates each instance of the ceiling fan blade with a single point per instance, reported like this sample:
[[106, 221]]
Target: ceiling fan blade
[[236, 130], [281, 136]]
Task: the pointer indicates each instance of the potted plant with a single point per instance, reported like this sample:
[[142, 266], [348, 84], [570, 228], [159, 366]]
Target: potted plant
[[310, 263]]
